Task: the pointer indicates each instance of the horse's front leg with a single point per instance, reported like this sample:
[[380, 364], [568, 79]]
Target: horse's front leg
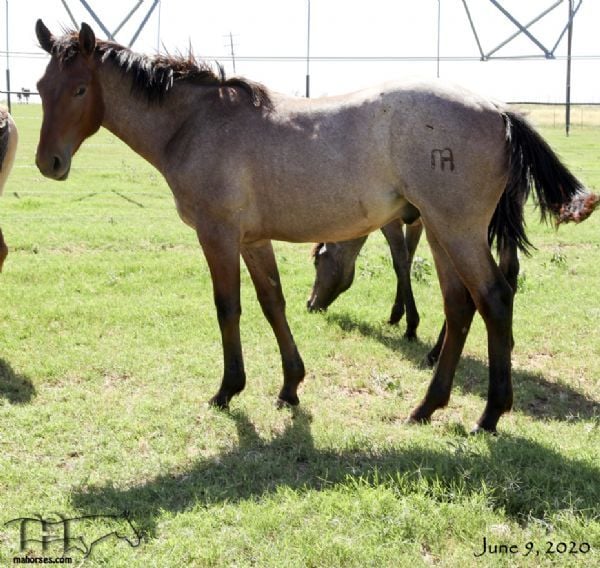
[[394, 235], [262, 266], [432, 357], [222, 250]]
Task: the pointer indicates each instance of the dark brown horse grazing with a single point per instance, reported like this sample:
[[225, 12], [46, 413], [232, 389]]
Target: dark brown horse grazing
[[335, 267], [8, 146], [246, 166]]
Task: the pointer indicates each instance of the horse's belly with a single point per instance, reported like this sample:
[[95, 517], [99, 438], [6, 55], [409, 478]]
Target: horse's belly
[[345, 219]]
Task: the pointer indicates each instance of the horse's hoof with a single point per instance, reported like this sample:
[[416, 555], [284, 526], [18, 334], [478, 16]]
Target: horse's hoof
[[219, 401], [288, 402], [480, 430], [412, 419], [410, 335], [425, 363], [395, 317], [312, 308]]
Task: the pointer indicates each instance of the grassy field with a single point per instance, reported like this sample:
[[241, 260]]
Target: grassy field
[[109, 350]]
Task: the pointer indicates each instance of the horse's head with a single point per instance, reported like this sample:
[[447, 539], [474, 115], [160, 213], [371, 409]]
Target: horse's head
[[71, 98], [334, 275]]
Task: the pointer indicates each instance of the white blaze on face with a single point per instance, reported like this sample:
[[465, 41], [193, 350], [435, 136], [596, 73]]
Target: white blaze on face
[[8, 146]]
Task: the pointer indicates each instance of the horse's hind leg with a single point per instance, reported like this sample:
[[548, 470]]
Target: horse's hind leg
[[262, 266], [459, 310], [402, 258], [509, 266], [493, 298]]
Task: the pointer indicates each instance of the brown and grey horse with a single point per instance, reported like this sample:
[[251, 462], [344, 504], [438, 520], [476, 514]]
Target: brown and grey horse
[[335, 265], [247, 166], [8, 148]]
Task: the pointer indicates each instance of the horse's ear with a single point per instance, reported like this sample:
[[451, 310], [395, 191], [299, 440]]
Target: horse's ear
[[44, 36], [87, 40]]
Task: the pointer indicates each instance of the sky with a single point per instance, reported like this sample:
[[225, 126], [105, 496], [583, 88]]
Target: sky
[[349, 40]]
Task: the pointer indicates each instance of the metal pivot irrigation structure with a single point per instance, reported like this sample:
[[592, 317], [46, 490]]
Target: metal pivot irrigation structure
[[499, 10]]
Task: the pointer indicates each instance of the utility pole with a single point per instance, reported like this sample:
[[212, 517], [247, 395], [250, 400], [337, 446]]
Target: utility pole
[[438, 37], [308, 54], [568, 97], [232, 51], [7, 63]]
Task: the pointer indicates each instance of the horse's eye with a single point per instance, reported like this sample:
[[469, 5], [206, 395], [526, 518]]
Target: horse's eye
[[80, 91]]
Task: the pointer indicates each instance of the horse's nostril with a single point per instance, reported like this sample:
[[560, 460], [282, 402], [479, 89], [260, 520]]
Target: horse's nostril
[[56, 164]]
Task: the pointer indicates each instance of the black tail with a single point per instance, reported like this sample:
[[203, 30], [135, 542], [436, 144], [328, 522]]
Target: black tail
[[533, 164]]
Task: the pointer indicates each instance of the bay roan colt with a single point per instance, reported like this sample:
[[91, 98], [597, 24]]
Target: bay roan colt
[[247, 166]]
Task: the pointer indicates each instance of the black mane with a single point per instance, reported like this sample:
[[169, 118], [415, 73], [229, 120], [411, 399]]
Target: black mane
[[154, 77]]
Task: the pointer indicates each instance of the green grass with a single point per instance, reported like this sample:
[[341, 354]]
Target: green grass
[[109, 350]]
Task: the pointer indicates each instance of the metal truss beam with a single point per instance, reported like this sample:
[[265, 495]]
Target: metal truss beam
[[101, 25], [64, 2], [97, 19], [524, 29], [473, 29], [566, 26], [137, 33], [521, 29], [126, 19]]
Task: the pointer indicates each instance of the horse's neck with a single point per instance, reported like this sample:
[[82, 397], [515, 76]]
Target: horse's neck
[[145, 128]]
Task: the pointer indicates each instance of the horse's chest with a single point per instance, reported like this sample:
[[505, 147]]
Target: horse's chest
[[186, 214]]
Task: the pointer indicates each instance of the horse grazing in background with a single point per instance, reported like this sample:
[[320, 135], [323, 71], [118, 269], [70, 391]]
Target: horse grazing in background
[[8, 147], [247, 165], [335, 267]]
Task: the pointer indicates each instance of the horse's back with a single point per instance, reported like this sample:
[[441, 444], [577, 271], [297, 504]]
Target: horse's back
[[335, 168], [374, 150], [446, 143]]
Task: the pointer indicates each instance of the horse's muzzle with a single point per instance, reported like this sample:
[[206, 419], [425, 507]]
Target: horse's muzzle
[[54, 166], [312, 305]]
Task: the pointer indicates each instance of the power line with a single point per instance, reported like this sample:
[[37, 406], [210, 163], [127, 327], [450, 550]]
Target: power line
[[350, 58], [392, 58]]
